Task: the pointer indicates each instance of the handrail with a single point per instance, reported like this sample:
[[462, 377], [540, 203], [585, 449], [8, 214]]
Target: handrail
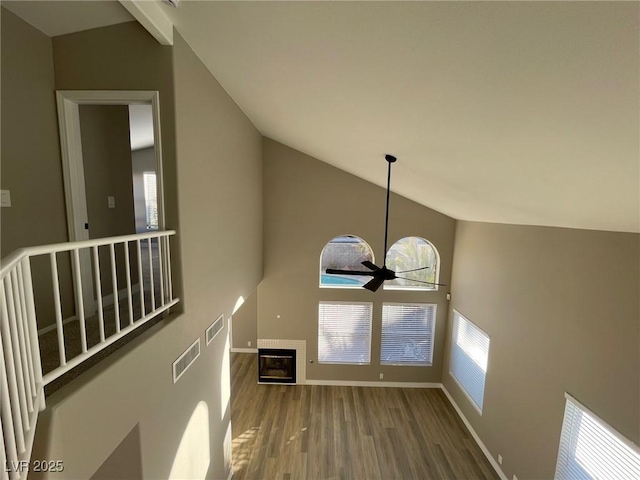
[[21, 376]]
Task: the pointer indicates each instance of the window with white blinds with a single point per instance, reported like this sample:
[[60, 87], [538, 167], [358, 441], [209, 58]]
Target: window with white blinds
[[151, 200], [590, 449], [407, 333], [344, 333], [469, 358]]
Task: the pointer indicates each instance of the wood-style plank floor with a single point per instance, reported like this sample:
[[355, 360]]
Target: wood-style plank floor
[[318, 432]]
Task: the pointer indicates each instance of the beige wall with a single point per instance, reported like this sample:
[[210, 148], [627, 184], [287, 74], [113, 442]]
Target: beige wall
[[31, 167], [562, 312], [217, 177], [140, 64], [245, 324], [307, 203]]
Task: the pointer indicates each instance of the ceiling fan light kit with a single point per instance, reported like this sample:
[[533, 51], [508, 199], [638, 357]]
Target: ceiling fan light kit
[[381, 274]]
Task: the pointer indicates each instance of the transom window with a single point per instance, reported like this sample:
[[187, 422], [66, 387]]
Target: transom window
[[407, 334], [344, 332], [411, 255], [346, 252]]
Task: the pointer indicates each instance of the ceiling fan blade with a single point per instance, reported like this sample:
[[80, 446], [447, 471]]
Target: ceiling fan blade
[[334, 271], [370, 265], [374, 284], [420, 281], [414, 270]]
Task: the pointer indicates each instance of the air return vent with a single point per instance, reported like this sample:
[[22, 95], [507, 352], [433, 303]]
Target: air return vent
[[215, 327], [185, 360]]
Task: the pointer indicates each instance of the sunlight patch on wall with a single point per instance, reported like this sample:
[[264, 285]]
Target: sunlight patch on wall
[[193, 458], [239, 303]]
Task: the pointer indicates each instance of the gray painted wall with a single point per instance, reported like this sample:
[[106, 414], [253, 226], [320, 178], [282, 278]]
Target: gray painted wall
[[31, 167], [220, 231], [307, 203], [561, 309]]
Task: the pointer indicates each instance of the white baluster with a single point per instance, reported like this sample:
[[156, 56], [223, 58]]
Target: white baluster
[[27, 333], [168, 264], [22, 344], [140, 279], [10, 445], [12, 380], [114, 284], [161, 271], [153, 297], [33, 328], [80, 300], [58, 306], [127, 263], [96, 274]]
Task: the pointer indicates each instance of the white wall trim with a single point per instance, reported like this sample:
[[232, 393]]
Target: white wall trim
[[152, 18], [230, 476], [483, 447], [356, 383], [51, 327], [243, 350]]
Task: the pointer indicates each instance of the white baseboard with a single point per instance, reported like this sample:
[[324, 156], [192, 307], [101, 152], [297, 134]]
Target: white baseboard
[[49, 328], [122, 294], [243, 350], [483, 447], [352, 383], [107, 300]]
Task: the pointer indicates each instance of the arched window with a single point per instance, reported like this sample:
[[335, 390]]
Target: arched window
[[346, 252], [413, 253]]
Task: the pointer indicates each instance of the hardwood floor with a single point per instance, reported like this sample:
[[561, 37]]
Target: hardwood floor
[[318, 432]]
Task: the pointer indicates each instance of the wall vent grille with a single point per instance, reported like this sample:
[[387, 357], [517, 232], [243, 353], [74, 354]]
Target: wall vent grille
[[214, 328], [185, 360]]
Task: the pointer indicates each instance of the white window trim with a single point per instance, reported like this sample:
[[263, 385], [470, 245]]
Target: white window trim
[[615, 433], [417, 288], [346, 286], [433, 333]]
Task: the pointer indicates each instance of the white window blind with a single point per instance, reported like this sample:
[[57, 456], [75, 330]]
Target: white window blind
[[407, 334], [151, 200], [344, 332], [469, 358], [590, 449]]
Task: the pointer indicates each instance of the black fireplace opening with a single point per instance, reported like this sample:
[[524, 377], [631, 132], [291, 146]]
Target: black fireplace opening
[[276, 365]]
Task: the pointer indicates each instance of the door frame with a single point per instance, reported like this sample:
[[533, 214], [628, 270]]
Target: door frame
[[68, 102]]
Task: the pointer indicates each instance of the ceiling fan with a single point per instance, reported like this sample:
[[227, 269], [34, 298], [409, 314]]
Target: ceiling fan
[[380, 274]]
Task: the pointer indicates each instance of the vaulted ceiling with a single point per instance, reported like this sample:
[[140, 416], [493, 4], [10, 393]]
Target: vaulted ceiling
[[508, 112]]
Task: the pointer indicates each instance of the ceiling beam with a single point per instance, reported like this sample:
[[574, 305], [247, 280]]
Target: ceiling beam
[[151, 17]]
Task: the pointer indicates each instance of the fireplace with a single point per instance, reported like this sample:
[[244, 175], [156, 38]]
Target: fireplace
[[276, 366]]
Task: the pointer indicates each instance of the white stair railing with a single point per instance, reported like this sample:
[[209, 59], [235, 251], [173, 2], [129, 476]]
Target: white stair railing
[[21, 375]]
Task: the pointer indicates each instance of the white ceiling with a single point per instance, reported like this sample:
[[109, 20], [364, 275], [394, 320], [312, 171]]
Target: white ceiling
[[508, 112], [524, 113], [55, 17]]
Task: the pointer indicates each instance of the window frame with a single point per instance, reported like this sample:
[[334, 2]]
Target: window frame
[[370, 326], [432, 333], [416, 288], [568, 444], [456, 317], [343, 286]]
